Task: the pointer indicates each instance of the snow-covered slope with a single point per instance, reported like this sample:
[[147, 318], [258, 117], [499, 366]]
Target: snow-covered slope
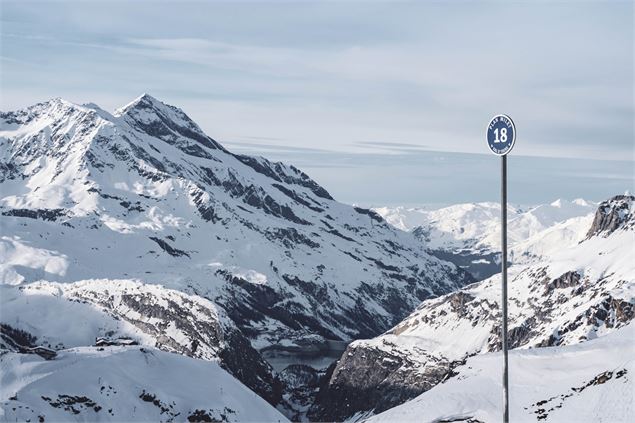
[[588, 382], [132, 384], [71, 315], [469, 234], [579, 293], [144, 194]]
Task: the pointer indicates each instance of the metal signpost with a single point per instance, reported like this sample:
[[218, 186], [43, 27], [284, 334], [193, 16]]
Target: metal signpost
[[501, 136]]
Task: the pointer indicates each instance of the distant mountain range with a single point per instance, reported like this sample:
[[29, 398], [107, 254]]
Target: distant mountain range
[[469, 234]]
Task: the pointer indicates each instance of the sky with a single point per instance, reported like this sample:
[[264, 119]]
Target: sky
[[383, 103]]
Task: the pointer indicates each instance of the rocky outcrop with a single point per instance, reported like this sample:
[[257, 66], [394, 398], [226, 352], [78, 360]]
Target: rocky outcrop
[[375, 379], [567, 280], [246, 364], [43, 214], [300, 385], [14, 339], [613, 214]]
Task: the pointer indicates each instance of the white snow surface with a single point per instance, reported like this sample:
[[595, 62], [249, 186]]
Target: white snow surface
[[588, 382], [69, 317], [107, 385]]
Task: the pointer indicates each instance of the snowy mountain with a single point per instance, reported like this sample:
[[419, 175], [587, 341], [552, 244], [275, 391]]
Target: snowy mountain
[[579, 293], [469, 234], [138, 224], [145, 194], [587, 382]]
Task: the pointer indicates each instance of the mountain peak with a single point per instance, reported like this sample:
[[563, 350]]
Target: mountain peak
[[145, 191], [163, 121], [557, 203], [581, 202], [30, 120], [52, 105], [147, 97], [144, 101], [613, 214]]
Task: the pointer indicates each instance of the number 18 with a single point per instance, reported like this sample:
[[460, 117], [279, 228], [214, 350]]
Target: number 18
[[503, 135]]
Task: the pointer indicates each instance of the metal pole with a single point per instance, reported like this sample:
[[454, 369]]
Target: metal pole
[[504, 287]]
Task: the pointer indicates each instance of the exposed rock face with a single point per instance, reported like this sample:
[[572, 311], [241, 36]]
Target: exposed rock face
[[375, 379], [613, 214], [567, 280], [578, 294], [300, 385], [248, 366], [13, 339], [43, 214]]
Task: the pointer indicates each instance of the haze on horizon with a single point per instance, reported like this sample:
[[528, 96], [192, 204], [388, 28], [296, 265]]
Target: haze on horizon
[[384, 103]]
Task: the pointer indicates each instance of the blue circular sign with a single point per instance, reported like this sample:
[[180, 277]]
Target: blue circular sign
[[501, 134]]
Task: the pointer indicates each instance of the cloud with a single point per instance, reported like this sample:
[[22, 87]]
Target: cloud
[[263, 147], [564, 103], [391, 147], [344, 83]]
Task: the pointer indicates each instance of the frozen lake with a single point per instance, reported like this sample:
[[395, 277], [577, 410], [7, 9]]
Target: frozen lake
[[319, 360]]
